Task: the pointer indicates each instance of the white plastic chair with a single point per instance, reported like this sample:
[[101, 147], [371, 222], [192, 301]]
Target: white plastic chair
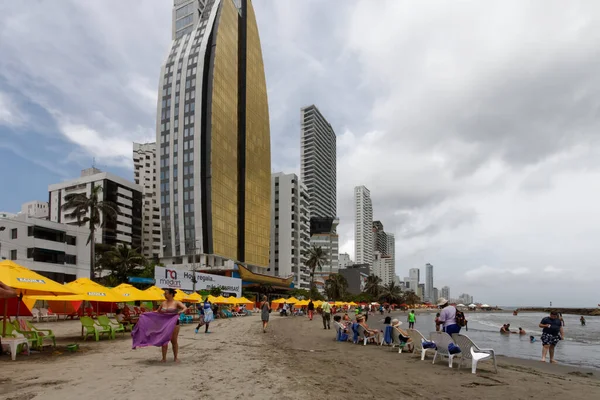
[[470, 351], [44, 314], [362, 335], [442, 340], [36, 314], [417, 341], [396, 340]]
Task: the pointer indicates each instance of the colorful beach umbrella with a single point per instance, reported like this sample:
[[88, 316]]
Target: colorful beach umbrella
[[131, 292], [154, 293]]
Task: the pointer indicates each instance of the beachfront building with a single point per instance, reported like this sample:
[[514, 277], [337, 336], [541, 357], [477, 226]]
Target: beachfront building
[[356, 275], [57, 251], [290, 229], [383, 267], [328, 240], [213, 139], [126, 228], [318, 162], [144, 166], [446, 292], [428, 282], [413, 279], [421, 291], [344, 260], [363, 225], [35, 209], [436, 295]]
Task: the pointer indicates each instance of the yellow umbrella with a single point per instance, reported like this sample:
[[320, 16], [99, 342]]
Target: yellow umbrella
[[212, 298], [131, 292], [279, 301], [292, 300], [352, 304], [301, 303], [338, 303], [193, 298], [154, 293], [221, 300], [180, 295], [243, 300], [26, 282], [88, 290], [317, 303]]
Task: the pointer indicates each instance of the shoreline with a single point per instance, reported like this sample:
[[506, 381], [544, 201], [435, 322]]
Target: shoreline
[[594, 312], [295, 359]]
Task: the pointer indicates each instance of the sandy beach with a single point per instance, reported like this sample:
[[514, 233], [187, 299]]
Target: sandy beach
[[295, 359]]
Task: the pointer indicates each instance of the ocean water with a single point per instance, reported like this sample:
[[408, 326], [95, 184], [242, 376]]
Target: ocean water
[[581, 346]]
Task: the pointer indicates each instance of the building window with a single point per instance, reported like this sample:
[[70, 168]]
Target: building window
[[13, 233], [13, 254]]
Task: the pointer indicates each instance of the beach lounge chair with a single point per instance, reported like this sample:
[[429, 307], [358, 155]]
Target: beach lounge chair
[[22, 325], [105, 322], [45, 315], [417, 340], [185, 319], [93, 329], [395, 335], [35, 313], [442, 341], [470, 351]]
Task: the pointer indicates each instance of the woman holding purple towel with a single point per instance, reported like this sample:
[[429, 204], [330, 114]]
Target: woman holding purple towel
[[171, 306]]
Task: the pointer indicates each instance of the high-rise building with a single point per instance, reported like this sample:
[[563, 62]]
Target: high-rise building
[[414, 277], [391, 244], [379, 238], [421, 291], [446, 292], [428, 282], [144, 165], [328, 240], [213, 138], [318, 162], [436, 295], [383, 267], [126, 228], [363, 226], [290, 227], [344, 260], [35, 209]]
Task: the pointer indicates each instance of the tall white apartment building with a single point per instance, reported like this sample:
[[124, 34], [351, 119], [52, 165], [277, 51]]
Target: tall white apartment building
[[290, 227], [144, 165], [35, 209], [363, 226], [414, 277], [383, 267], [318, 162], [330, 243], [126, 229], [428, 282], [344, 260], [446, 292]]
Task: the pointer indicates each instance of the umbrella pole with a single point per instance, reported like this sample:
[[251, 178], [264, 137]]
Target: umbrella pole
[[4, 317]]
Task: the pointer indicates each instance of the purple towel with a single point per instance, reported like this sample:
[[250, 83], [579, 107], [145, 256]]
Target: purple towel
[[153, 329]]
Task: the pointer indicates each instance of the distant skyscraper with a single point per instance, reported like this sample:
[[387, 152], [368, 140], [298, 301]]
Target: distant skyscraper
[[344, 260], [213, 137], [429, 282], [436, 295], [380, 241], [363, 225], [383, 267], [414, 277], [144, 165], [290, 224], [446, 292], [318, 162]]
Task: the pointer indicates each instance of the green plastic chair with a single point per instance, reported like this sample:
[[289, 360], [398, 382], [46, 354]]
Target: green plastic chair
[[13, 333], [93, 329], [105, 322], [23, 326]]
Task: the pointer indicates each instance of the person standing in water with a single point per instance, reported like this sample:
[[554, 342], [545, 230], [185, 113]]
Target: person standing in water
[[172, 306], [208, 314], [411, 319], [552, 333], [265, 309], [582, 320]]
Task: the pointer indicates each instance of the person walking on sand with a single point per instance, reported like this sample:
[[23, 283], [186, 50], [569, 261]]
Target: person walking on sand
[[411, 319], [552, 333], [265, 310], [311, 309], [326, 307], [207, 316], [172, 306]]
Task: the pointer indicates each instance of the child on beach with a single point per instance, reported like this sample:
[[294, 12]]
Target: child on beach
[[437, 322]]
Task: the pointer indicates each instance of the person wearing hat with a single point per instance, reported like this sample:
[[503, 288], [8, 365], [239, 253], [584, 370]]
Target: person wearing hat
[[371, 333], [552, 333], [402, 335], [447, 317]]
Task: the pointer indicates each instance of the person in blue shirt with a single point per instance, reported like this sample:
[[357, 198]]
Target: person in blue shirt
[[552, 333]]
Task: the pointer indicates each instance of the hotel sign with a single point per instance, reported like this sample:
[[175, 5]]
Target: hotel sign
[[183, 279]]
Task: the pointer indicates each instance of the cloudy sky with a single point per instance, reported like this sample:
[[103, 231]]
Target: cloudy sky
[[474, 124]]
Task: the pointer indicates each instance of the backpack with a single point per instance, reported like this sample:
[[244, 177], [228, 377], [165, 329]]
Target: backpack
[[460, 318]]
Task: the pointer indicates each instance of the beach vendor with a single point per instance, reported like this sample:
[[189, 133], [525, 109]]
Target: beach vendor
[[447, 317], [552, 333]]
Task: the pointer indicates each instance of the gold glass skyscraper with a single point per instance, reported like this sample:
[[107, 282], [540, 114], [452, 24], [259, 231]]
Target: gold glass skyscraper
[[213, 135]]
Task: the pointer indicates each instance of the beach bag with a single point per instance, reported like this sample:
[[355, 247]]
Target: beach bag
[[460, 318], [453, 349]]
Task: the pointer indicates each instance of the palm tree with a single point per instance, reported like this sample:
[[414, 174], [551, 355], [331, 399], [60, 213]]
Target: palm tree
[[124, 262], [316, 257], [336, 286], [92, 211], [411, 298], [391, 293], [372, 286]]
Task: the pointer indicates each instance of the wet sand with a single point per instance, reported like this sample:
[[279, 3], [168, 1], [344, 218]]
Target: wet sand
[[295, 359]]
